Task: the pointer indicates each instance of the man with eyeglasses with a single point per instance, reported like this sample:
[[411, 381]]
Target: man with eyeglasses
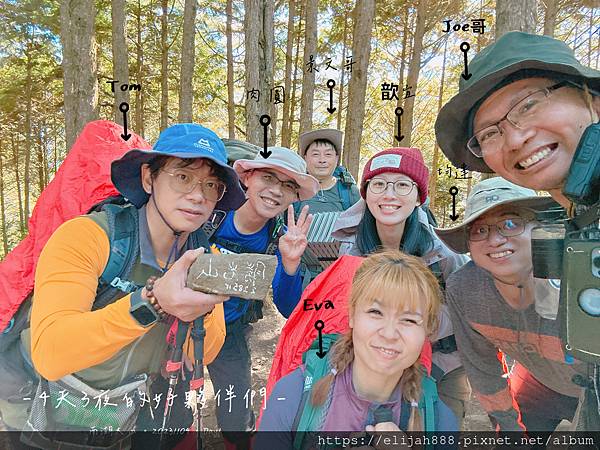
[[272, 185], [522, 113], [493, 302]]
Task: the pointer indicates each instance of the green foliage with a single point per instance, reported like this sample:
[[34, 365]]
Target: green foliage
[[31, 56]]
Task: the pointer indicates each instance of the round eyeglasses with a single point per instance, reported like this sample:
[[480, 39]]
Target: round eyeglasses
[[401, 187], [269, 179], [528, 111], [183, 182], [508, 227]]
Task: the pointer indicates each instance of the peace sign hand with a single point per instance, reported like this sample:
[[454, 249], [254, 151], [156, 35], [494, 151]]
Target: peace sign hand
[[293, 243]]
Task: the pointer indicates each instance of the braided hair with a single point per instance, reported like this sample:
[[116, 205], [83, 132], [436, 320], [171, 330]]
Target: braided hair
[[389, 276]]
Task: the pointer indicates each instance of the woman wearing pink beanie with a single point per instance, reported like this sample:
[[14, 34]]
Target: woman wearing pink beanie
[[393, 186]]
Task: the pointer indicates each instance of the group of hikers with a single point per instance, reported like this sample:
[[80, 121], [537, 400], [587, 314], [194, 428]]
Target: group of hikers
[[428, 309]]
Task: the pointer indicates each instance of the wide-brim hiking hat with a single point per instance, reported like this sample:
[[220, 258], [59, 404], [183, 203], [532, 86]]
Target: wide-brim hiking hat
[[336, 137], [513, 52], [405, 160], [186, 140], [485, 196], [281, 160]]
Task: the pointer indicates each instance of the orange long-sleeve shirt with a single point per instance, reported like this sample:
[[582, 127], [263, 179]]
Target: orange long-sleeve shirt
[[66, 335]]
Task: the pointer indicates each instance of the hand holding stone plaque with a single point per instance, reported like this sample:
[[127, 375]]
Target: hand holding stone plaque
[[247, 275]]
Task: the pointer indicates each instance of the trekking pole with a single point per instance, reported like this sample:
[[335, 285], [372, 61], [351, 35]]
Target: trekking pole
[[174, 365], [197, 381]]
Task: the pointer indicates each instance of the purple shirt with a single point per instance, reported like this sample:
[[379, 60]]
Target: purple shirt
[[358, 411]]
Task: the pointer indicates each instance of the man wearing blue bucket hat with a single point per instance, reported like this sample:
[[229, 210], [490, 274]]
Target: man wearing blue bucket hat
[[92, 331]]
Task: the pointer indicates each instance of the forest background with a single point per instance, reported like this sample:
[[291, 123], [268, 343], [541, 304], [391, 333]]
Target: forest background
[[205, 60]]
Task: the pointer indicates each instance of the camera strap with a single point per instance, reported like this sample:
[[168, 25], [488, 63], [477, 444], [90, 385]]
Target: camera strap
[[588, 217]]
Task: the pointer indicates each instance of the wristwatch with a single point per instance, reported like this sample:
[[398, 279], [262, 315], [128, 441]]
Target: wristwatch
[[141, 310]]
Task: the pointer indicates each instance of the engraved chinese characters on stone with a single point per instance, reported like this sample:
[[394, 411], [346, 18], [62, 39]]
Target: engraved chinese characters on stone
[[246, 275]]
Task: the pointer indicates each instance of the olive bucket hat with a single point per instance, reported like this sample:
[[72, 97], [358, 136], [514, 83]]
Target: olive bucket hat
[[185, 140], [513, 52]]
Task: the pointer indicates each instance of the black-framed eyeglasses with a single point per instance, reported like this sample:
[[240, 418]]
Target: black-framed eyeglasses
[[528, 111], [509, 227], [401, 187], [183, 182], [269, 179]]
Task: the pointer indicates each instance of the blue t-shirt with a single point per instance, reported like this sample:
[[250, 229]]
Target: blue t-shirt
[[286, 288]]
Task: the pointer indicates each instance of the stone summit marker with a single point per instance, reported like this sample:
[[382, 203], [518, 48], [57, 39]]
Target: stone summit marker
[[247, 275]]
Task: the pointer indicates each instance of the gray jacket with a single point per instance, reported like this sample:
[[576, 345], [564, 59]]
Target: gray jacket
[[346, 227], [345, 230]]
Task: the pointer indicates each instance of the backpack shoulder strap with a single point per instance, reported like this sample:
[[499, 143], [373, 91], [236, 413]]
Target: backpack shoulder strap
[[121, 226], [344, 193], [427, 404], [309, 417], [276, 230], [211, 226], [404, 415], [198, 239]]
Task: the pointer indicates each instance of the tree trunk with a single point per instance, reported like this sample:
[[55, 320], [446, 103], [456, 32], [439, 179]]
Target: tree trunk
[[413, 72], [436, 149], [251, 62], [77, 23], [55, 146], [28, 134], [286, 126], [361, 51], [479, 35], [274, 118], [3, 209], [230, 79], [258, 25], [550, 17], [293, 101], [308, 77], [41, 161], [268, 65], [515, 15], [18, 182], [400, 101], [342, 72], [164, 61], [590, 34], [186, 92], [597, 50], [119, 50], [139, 96]]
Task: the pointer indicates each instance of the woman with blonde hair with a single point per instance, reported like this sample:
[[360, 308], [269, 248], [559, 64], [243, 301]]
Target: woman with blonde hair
[[373, 369]]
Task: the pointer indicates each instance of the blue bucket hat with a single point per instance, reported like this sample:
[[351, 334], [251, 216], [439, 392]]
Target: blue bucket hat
[[186, 140]]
